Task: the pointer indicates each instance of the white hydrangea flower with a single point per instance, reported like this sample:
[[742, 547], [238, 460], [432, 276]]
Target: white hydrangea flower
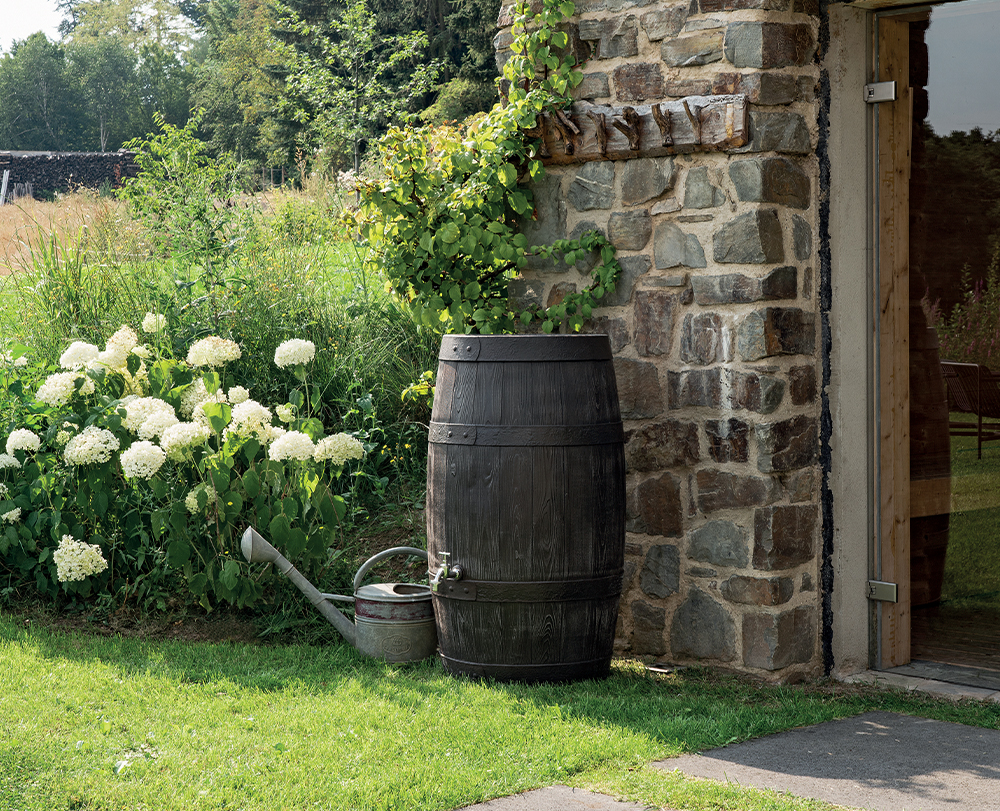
[[63, 437], [238, 394], [78, 355], [21, 361], [156, 423], [117, 349], [4, 490], [191, 396], [213, 351], [199, 415], [294, 352], [275, 433], [250, 418], [191, 501], [57, 389], [142, 460], [140, 409], [142, 351], [76, 560], [153, 322], [7, 359], [286, 412], [23, 440], [292, 445], [12, 516], [8, 461], [177, 440], [88, 387], [338, 449], [91, 446]]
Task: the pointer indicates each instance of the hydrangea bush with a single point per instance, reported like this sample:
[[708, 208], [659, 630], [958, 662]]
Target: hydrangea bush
[[137, 472]]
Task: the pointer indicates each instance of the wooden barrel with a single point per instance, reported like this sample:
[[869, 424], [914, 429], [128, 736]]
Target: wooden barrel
[[526, 492]]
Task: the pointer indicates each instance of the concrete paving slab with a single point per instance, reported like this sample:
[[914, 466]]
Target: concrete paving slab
[[877, 760], [556, 798]]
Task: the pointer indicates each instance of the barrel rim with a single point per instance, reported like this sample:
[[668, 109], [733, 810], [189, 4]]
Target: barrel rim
[[525, 348]]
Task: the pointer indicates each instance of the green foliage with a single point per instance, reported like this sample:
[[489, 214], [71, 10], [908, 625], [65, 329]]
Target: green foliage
[[443, 223], [970, 333]]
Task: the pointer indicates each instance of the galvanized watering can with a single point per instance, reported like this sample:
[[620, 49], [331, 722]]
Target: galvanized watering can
[[392, 621]]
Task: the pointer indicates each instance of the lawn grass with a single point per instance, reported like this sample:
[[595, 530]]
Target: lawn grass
[[109, 723]]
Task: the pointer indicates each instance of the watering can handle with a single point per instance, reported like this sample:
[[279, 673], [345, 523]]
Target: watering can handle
[[396, 550]]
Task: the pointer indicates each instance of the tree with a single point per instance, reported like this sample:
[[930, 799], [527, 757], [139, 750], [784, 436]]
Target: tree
[[137, 23], [40, 109], [106, 73], [340, 88]]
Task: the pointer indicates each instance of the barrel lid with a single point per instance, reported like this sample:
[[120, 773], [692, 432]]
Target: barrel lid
[[394, 592], [524, 348]]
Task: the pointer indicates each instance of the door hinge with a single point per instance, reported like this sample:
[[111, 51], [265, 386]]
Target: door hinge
[[880, 590], [880, 91]]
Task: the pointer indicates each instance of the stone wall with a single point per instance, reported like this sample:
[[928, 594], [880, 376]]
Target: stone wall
[[715, 325], [48, 172]]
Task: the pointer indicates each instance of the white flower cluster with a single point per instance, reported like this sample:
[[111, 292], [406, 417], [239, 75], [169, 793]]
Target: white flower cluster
[[117, 349], [4, 490], [57, 389], [238, 394], [76, 560], [250, 418], [294, 352], [8, 359], [23, 440], [213, 351], [78, 355], [142, 460], [286, 412], [191, 501], [6, 461], [191, 396], [177, 440], [12, 516], [199, 415], [91, 446], [142, 351], [152, 322], [156, 423], [292, 445], [140, 409], [338, 449]]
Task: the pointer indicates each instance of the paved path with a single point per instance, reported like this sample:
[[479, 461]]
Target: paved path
[[556, 798]]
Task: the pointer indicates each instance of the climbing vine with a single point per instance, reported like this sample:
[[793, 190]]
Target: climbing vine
[[443, 221]]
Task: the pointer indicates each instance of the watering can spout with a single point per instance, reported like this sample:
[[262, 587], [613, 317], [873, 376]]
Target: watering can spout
[[256, 549]]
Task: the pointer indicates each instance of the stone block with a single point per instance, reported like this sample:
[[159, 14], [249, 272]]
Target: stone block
[[549, 221], [702, 48], [611, 5], [616, 37], [702, 571], [699, 191], [721, 543], [696, 387], [787, 445], [680, 88], [639, 393], [728, 440], [768, 89], [667, 206], [614, 328], [648, 625], [802, 240], [735, 288], [753, 391], [594, 86], [655, 312], [654, 507], [801, 485], [769, 44], [591, 258], [771, 180], [761, 591], [753, 238], [777, 132], [784, 537], [808, 87], [593, 187], [802, 384], [638, 81], [776, 331], [702, 629], [775, 641], [525, 293], [665, 22], [719, 490], [673, 248], [712, 6], [661, 445], [630, 230], [705, 339], [661, 573], [807, 583], [645, 179], [632, 268], [558, 292]]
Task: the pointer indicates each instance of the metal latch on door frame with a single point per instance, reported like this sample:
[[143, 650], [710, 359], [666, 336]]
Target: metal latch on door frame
[[882, 591], [880, 91]]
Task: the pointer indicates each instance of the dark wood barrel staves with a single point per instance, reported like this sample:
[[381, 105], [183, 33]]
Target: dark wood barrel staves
[[526, 492]]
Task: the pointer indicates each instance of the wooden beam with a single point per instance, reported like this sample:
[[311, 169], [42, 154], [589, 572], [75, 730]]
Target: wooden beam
[[695, 123]]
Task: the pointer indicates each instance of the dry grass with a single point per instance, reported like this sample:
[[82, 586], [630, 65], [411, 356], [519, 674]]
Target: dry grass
[[25, 221]]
